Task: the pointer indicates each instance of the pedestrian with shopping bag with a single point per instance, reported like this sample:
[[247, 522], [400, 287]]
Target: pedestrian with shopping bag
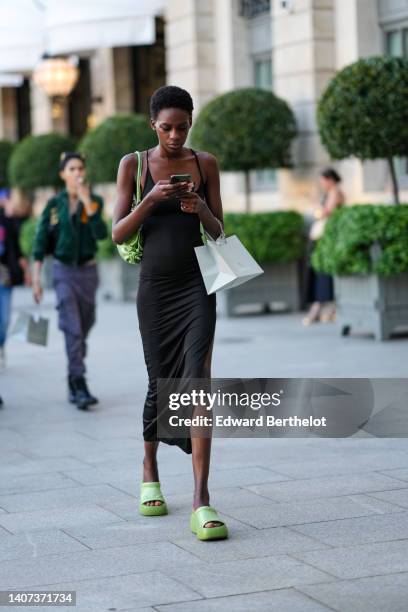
[[69, 229], [162, 226]]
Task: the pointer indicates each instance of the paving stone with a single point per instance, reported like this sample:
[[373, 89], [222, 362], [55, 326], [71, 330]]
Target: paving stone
[[41, 482], [247, 575], [91, 564], [33, 544], [363, 560], [281, 600], [374, 594], [60, 518], [326, 487], [247, 544], [61, 498], [402, 473], [223, 499], [398, 497], [264, 515], [40, 466], [353, 531], [125, 592]]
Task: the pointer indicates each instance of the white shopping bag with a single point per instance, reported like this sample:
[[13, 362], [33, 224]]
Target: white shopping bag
[[30, 328], [225, 263]]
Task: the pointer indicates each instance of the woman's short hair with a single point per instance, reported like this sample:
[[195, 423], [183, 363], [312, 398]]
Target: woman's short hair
[[332, 174], [170, 96], [66, 156]]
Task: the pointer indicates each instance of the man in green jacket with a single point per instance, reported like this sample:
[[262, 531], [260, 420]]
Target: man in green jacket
[[69, 228]]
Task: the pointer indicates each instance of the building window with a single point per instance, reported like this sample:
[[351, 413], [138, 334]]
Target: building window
[[253, 8], [263, 180], [263, 72]]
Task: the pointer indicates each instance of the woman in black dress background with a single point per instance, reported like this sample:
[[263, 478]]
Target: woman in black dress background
[[319, 286], [176, 316]]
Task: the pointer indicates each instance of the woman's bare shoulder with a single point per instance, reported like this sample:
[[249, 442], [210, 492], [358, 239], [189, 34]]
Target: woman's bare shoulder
[[128, 163], [208, 160]]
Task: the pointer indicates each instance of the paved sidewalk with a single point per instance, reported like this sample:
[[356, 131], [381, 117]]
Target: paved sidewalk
[[315, 524]]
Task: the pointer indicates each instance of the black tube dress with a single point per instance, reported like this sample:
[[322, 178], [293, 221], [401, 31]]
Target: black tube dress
[[176, 316]]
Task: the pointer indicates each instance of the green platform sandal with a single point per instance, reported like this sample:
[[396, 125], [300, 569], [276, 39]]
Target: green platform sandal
[[150, 491], [203, 515]]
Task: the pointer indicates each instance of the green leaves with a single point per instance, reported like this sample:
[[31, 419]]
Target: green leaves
[[246, 129], [35, 160], [350, 233], [269, 237], [364, 110], [104, 146]]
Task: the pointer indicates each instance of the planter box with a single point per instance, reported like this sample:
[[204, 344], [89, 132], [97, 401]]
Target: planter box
[[279, 284], [118, 280], [372, 303]]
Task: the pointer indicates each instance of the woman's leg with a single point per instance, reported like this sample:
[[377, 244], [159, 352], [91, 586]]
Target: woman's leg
[[150, 470], [201, 455]]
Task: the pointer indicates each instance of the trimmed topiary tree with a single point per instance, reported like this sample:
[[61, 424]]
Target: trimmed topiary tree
[[246, 129], [104, 146], [6, 149], [364, 112], [35, 160]]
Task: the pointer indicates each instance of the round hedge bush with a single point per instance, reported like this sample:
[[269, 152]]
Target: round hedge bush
[[270, 236], [6, 149], [350, 233], [35, 160], [246, 129], [104, 146], [364, 110]]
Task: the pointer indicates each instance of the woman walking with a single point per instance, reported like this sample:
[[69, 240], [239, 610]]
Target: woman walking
[[176, 316], [69, 228], [319, 286]]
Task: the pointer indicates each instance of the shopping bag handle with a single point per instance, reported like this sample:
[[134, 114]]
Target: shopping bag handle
[[221, 239]]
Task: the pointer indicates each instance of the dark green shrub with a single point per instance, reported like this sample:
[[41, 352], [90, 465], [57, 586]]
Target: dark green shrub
[[6, 149], [104, 146], [27, 235], [270, 236], [35, 160], [364, 111], [345, 247], [246, 129]]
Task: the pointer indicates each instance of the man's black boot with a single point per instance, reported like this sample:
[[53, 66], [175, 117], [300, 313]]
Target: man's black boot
[[71, 390], [82, 392]]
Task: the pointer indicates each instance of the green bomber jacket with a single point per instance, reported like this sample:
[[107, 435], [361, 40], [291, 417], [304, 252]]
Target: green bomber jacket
[[77, 235]]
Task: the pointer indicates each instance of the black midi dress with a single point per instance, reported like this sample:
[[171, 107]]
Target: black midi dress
[[176, 316]]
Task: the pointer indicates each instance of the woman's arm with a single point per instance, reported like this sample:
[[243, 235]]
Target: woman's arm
[[124, 222], [209, 211]]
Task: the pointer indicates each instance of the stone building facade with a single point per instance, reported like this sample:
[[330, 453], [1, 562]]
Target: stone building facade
[[291, 46]]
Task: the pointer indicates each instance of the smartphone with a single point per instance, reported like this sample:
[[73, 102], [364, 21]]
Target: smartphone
[[181, 178]]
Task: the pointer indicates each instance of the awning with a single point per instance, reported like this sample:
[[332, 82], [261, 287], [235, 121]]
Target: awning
[[22, 25], [75, 25], [29, 28], [11, 80]]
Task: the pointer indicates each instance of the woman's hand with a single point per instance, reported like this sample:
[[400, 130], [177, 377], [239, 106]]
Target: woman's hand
[[192, 203], [165, 190]]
